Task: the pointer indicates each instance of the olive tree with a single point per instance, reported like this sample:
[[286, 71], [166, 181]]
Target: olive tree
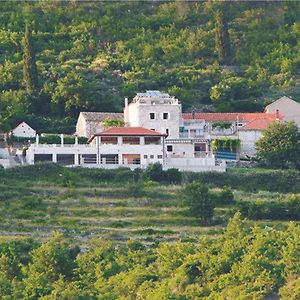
[[280, 145], [200, 201]]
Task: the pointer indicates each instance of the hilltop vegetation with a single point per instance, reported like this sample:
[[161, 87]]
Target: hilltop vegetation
[[89, 55]]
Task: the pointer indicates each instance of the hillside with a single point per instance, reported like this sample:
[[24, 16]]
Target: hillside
[[89, 55], [94, 234]]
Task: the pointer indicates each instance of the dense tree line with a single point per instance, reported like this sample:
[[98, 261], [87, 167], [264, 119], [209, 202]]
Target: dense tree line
[[90, 55], [242, 263]]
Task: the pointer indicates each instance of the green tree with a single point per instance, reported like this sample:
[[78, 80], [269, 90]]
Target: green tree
[[280, 145], [200, 201], [222, 40], [30, 72], [50, 262]]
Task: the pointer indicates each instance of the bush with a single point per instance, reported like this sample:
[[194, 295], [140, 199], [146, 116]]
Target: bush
[[289, 209], [154, 172], [200, 201], [251, 180], [173, 176], [225, 197], [135, 190]]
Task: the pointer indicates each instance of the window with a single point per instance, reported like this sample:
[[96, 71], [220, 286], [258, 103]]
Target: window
[[152, 116], [88, 159], [145, 156], [131, 140], [109, 140], [167, 131], [42, 157], [165, 116], [199, 147], [152, 156], [111, 159], [169, 148], [66, 159], [159, 156], [155, 140], [131, 159]]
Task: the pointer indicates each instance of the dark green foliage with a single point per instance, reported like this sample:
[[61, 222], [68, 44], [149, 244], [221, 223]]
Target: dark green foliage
[[222, 40], [241, 263], [154, 172], [87, 62], [225, 197], [30, 68], [251, 180], [200, 201], [226, 144], [222, 125], [50, 139], [280, 146], [173, 176], [287, 209]]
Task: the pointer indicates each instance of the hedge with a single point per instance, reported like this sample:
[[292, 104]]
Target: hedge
[[252, 180]]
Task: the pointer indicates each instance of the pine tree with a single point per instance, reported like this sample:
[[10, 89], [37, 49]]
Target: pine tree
[[30, 69], [222, 40]]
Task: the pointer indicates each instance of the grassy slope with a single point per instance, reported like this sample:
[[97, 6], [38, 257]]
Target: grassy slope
[[35, 206]]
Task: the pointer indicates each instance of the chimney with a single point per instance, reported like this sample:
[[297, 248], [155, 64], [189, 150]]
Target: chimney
[[126, 101], [277, 114]]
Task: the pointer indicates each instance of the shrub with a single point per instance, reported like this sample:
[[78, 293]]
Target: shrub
[[225, 197], [200, 201], [252, 180], [173, 176], [287, 209], [135, 190], [154, 172]]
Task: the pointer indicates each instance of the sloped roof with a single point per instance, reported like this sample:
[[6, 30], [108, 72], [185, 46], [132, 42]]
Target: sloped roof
[[127, 131], [258, 124], [101, 116], [243, 117]]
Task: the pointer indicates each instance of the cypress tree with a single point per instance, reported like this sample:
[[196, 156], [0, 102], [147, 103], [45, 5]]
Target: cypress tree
[[222, 40], [29, 69]]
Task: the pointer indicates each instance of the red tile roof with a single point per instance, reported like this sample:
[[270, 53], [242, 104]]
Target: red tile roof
[[243, 117], [127, 131], [258, 124]]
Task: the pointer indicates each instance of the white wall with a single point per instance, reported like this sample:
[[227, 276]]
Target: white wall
[[81, 126], [137, 114], [58, 149], [248, 140], [24, 130], [195, 164], [287, 107]]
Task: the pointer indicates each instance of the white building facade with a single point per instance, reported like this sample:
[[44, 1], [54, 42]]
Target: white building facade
[[286, 106], [132, 147], [154, 110], [24, 130]]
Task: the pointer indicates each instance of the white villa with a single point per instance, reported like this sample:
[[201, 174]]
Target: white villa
[[155, 130]]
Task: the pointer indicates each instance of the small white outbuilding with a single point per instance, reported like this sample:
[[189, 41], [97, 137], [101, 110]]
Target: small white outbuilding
[[24, 130]]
